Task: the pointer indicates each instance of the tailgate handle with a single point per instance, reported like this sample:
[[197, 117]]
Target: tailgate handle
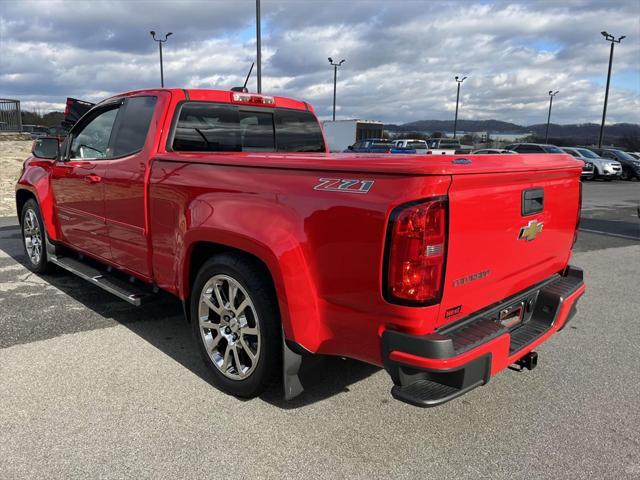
[[532, 201]]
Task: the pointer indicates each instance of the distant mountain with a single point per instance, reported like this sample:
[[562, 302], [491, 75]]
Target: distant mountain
[[578, 131], [463, 126], [586, 130]]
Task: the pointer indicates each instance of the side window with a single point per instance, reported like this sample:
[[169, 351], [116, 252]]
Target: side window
[[529, 149], [571, 152], [93, 140], [133, 125]]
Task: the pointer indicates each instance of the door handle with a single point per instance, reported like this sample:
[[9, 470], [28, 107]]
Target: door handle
[[93, 178]]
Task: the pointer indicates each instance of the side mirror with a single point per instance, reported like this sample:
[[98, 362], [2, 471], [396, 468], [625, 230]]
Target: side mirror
[[350, 147], [46, 147]]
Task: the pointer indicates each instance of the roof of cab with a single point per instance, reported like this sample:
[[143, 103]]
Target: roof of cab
[[222, 96]]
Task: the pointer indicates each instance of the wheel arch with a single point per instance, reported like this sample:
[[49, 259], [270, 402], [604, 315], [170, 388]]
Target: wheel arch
[[299, 317], [35, 182], [23, 196]]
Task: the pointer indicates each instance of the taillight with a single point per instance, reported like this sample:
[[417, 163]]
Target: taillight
[[575, 234], [416, 252]]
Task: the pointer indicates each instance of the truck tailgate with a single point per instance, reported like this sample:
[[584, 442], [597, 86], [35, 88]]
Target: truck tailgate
[[495, 248]]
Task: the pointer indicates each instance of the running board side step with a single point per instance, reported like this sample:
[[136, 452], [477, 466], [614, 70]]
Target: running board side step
[[107, 281]]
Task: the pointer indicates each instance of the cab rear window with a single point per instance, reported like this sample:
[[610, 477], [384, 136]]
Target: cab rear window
[[212, 127]]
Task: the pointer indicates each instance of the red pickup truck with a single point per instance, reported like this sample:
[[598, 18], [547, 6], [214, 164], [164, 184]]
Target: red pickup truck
[[444, 270]]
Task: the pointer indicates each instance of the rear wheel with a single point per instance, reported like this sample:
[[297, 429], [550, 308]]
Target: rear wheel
[[34, 237], [236, 324]]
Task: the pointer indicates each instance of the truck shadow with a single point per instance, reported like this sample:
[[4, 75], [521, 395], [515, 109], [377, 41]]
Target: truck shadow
[[161, 323]]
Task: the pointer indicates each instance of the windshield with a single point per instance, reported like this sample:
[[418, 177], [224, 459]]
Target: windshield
[[421, 144], [443, 143], [587, 153], [381, 145], [624, 155]]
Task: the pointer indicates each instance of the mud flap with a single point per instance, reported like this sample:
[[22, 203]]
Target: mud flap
[[291, 364]]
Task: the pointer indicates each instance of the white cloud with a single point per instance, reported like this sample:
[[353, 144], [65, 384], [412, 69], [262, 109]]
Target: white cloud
[[401, 56]]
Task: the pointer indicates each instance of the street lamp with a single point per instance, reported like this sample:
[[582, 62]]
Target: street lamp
[[335, 76], [258, 48], [455, 122], [551, 95], [160, 42], [609, 38]]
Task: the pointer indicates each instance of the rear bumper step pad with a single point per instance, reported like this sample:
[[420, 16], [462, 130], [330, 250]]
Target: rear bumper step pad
[[430, 387]]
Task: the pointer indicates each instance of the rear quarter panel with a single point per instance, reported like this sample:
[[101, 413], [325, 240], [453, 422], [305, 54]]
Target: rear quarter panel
[[324, 249]]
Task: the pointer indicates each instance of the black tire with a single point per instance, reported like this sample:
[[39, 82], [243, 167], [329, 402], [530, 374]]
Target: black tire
[[625, 175], [31, 215], [253, 278]]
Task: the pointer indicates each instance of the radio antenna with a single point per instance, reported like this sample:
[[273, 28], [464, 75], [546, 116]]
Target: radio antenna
[[244, 87], [248, 75]]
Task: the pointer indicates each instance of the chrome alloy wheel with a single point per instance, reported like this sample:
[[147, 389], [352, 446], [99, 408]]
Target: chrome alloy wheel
[[229, 327], [32, 234]]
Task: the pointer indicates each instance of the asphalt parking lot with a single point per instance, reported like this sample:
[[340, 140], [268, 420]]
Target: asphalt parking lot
[[93, 388]]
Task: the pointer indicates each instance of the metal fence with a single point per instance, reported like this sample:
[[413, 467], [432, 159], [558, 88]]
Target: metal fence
[[10, 118]]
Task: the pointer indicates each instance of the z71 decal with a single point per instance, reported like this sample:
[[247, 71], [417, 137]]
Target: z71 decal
[[344, 185]]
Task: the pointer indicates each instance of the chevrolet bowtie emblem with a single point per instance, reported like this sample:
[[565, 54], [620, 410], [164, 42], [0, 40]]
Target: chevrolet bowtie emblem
[[531, 231]]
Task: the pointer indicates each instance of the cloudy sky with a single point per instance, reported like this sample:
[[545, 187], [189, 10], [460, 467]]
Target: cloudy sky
[[401, 56]]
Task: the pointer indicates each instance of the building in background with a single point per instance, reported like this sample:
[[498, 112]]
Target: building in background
[[342, 133]]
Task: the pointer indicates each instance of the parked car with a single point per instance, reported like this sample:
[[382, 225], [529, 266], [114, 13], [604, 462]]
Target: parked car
[[533, 148], [630, 165], [635, 155], [587, 167], [36, 131], [588, 170], [447, 146], [58, 132], [605, 168], [376, 145], [492, 151], [418, 146], [279, 250]]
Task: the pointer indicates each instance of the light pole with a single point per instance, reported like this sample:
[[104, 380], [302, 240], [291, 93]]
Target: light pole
[[160, 42], [455, 122], [609, 38], [551, 95], [258, 48], [335, 76]]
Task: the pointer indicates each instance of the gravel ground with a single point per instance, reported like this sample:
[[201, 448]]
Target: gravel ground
[[12, 154]]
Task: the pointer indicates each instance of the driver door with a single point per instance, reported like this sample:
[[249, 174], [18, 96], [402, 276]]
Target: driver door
[[77, 183]]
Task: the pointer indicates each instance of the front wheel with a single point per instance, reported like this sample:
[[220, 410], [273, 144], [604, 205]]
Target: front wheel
[[34, 237], [236, 324]]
